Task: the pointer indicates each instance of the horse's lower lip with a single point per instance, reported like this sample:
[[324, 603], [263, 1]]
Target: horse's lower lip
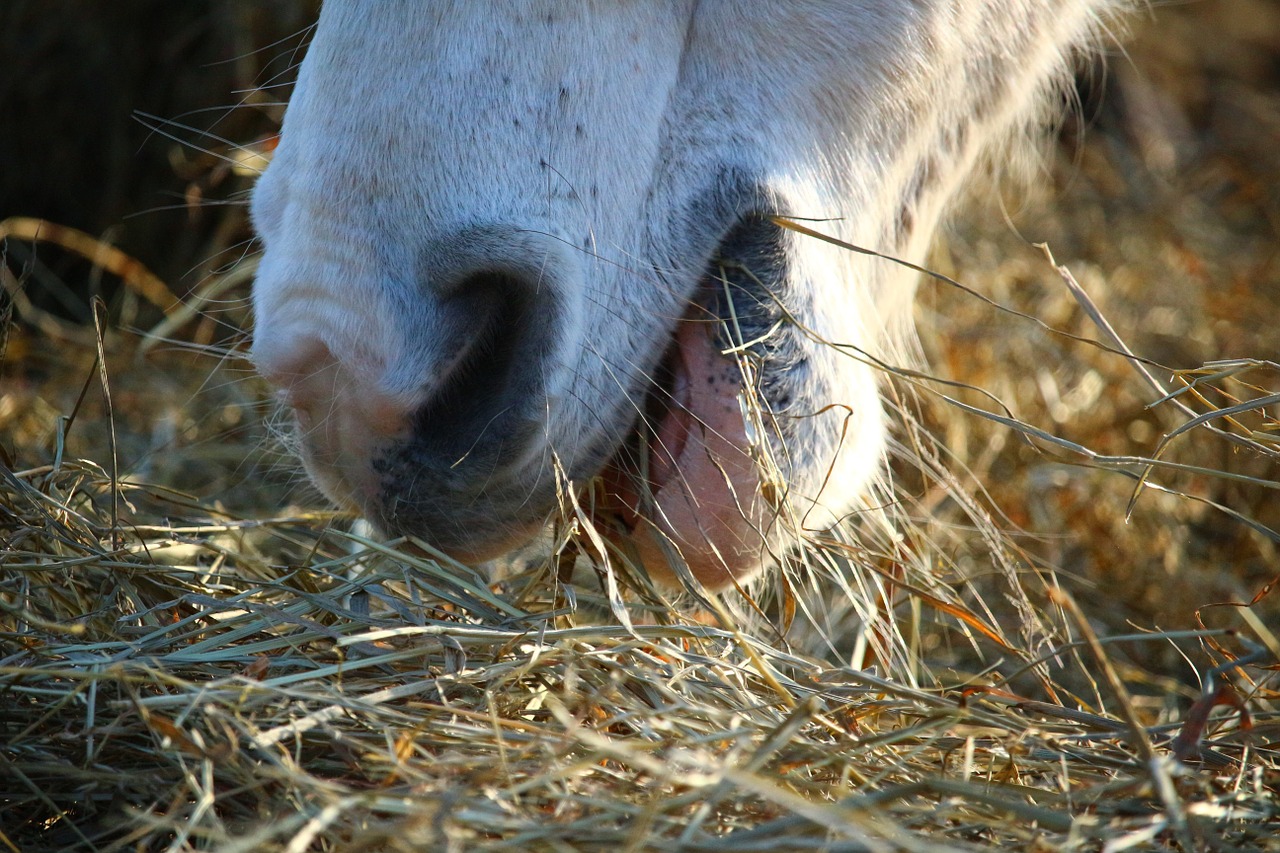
[[687, 477], [645, 462]]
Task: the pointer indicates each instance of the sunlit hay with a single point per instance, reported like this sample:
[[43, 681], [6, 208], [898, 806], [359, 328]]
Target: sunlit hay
[[274, 684], [192, 679], [1252, 473]]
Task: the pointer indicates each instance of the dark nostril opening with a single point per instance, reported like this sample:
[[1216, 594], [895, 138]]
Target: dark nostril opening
[[496, 368]]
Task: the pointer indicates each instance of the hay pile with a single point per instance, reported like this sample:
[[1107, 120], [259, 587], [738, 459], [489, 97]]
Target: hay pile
[[187, 680], [195, 656], [178, 674]]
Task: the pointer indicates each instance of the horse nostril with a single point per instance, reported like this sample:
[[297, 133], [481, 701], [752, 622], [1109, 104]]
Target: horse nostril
[[492, 368]]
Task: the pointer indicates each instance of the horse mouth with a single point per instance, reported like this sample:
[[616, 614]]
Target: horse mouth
[[648, 457], [686, 482]]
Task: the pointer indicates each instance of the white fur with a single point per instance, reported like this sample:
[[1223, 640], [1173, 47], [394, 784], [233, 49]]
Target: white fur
[[578, 143]]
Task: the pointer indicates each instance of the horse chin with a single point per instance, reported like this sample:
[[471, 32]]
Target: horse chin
[[686, 484]]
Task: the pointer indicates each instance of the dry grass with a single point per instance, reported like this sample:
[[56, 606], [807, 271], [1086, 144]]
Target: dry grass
[[1065, 639], [181, 679]]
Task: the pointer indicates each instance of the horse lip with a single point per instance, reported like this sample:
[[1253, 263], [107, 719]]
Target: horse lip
[[736, 307], [667, 405], [635, 467]]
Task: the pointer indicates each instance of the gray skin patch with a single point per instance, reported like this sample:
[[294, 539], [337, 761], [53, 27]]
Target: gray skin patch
[[744, 296]]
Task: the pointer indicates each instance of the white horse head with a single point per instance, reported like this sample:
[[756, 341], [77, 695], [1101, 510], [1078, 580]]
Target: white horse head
[[508, 243]]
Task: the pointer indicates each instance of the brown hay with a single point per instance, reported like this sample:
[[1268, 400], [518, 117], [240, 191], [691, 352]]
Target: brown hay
[[273, 684]]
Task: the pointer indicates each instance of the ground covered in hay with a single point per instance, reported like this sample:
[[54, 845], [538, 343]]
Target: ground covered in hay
[[1062, 637]]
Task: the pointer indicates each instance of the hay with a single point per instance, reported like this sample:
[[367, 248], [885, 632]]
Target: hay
[[179, 676], [274, 684]]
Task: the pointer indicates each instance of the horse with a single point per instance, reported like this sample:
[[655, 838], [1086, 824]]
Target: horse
[[514, 250]]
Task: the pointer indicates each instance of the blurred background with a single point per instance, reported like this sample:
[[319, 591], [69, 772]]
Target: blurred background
[[118, 117]]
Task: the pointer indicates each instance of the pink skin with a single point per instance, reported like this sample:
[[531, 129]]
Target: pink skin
[[704, 480], [342, 419]]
